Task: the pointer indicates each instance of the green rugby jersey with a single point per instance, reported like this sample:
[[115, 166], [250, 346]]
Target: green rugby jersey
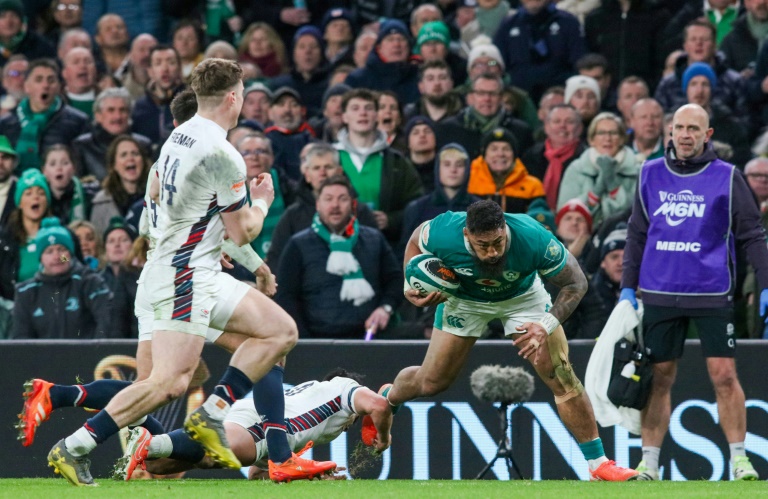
[[530, 249]]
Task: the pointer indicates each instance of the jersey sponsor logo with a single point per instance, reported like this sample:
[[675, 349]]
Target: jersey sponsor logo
[[182, 140], [678, 207], [465, 272], [686, 247], [73, 305], [489, 282], [511, 275], [435, 268], [237, 185], [496, 290], [455, 321], [554, 251]]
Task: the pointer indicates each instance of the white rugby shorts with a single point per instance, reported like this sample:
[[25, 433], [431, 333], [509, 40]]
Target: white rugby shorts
[[194, 301], [469, 319]]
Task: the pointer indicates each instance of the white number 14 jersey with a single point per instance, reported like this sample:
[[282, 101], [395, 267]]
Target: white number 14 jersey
[[201, 175]]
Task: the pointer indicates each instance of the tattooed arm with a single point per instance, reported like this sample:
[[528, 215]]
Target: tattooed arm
[[573, 286]]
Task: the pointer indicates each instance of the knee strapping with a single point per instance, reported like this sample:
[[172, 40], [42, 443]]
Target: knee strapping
[[567, 378], [573, 392]]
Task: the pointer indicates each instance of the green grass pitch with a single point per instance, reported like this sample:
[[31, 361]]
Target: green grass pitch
[[401, 489]]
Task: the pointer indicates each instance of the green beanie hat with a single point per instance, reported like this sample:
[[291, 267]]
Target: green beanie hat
[[13, 6], [51, 232], [539, 211], [432, 31], [31, 178]]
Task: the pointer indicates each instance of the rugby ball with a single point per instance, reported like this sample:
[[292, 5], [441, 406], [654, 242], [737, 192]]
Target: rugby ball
[[427, 273]]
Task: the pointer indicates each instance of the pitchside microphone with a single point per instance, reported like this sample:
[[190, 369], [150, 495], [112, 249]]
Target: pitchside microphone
[[505, 385]]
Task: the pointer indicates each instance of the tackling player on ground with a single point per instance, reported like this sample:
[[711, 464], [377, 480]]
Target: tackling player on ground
[[498, 259], [316, 411]]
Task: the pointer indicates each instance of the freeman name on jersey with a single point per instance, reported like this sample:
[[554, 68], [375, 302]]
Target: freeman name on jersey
[[182, 140]]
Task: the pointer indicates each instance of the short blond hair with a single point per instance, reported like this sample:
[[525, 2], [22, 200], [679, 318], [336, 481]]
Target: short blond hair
[[606, 116], [452, 152]]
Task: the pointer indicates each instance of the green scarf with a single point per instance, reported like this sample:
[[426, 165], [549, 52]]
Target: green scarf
[[264, 240], [216, 13], [77, 208], [758, 30], [8, 50], [476, 122], [32, 125], [342, 262]]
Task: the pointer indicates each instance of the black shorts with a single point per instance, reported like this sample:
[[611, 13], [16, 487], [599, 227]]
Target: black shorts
[[665, 329]]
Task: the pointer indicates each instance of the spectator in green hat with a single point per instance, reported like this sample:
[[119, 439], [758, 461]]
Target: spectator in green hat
[[433, 44], [18, 251], [16, 38], [63, 299], [8, 159]]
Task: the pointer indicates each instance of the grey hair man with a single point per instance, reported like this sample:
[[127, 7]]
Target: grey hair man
[[111, 117]]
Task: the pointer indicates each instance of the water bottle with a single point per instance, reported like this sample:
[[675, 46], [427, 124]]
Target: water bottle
[[629, 370]]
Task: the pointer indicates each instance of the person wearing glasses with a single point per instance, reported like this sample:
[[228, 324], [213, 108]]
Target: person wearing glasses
[[605, 175], [65, 15], [485, 58], [259, 157], [12, 87], [483, 113]]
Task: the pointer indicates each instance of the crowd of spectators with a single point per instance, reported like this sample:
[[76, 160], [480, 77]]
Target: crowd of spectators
[[371, 117]]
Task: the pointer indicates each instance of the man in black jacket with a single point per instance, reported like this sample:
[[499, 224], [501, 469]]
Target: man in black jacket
[[63, 300], [112, 116], [747, 33], [483, 113], [319, 162], [328, 300]]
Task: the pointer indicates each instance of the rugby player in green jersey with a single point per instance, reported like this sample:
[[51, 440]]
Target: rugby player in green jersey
[[499, 259]]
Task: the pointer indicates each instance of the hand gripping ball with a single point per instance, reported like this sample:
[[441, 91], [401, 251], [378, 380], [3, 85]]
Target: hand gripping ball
[[427, 273]]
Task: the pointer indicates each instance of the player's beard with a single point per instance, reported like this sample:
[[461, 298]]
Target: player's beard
[[491, 270]]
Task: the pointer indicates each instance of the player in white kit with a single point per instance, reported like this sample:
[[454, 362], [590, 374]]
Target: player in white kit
[[201, 191], [316, 411], [39, 404]]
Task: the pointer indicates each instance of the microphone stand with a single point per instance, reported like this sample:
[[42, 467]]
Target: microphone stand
[[505, 449]]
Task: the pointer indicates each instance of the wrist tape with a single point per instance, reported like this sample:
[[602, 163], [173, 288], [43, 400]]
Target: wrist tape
[[262, 205], [549, 322]]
